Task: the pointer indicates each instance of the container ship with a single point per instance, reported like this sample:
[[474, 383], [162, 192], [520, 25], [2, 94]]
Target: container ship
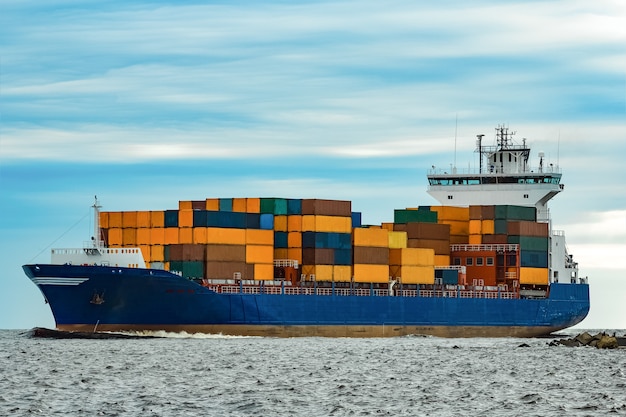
[[485, 262]]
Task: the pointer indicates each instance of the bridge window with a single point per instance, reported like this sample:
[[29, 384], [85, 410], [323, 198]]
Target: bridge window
[[469, 261]]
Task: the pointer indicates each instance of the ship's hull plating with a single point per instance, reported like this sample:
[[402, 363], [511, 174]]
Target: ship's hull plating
[[88, 298]]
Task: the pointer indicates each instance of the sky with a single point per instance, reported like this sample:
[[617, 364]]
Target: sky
[[146, 103]]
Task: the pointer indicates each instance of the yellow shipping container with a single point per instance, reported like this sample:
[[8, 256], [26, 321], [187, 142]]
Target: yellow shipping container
[[157, 253], [261, 254], [371, 273], [412, 256], [294, 239], [411, 274], [225, 236], [103, 219], [185, 235], [253, 205], [157, 219], [321, 272], [143, 219], [143, 236], [280, 223], [342, 273], [537, 276], [240, 205], [213, 204], [475, 227], [185, 205], [171, 236], [129, 219], [157, 236], [259, 237], [488, 227], [115, 236], [451, 213], [331, 224], [281, 253], [295, 254], [115, 219], [294, 223], [475, 239], [199, 235], [264, 271], [397, 240], [370, 237], [442, 260], [185, 218]]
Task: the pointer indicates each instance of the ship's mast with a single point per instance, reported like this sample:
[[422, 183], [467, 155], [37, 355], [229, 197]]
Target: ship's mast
[[96, 224]]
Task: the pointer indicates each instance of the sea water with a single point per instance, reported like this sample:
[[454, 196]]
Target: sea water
[[200, 375]]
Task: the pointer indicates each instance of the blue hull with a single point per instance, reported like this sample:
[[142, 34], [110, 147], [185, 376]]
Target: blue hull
[[144, 299]]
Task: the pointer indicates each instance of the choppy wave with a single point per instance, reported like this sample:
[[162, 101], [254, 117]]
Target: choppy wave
[[212, 375]]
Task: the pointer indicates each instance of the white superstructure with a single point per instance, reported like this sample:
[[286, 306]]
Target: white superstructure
[[504, 177], [95, 252]]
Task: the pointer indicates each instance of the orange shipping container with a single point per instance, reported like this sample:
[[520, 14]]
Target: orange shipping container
[[199, 235], [185, 205], [259, 237], [370, 237], [457, 227], [281, 253], [330, 224], [371, 273], [143, 236], [129, 237], [259, 254], [157, 236], [129, 219], [294, 223], [185, 235], [264, 271], [171, 235], [280, 223], [213, 204], [442, 260], [451, 213], [143, 219], [253, 205], [157, 219], [321, 272], [226, 236], [412, 256], [115, 219], [240, 205], [115, 236], [103, 219], [157, 253], [475, 239], [145, 253], [295, 254], [185, 218], [388, 226], [294, 240], [342, 273]]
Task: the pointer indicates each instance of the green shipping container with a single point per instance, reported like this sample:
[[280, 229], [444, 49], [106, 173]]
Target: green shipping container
[[189, 269], [411, 216], [276, 206], [516, 213], [532, 243]]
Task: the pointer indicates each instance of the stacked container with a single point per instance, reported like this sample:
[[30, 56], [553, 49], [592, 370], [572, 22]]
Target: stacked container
[[371, 254], [326, 233]]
